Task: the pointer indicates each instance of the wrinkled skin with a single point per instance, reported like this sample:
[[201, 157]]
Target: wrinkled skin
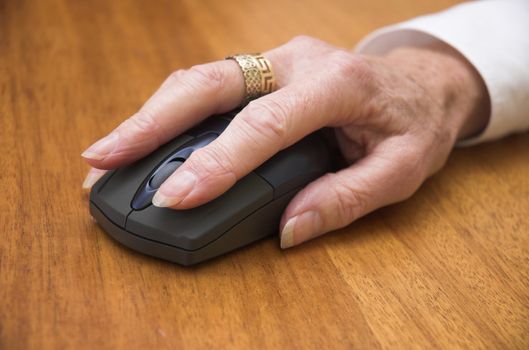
[[396, 118]]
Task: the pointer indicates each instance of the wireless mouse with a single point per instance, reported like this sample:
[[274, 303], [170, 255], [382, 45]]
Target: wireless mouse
[[251, 210]]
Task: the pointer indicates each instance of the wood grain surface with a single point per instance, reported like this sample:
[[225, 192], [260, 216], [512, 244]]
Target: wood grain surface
[[448, 268]]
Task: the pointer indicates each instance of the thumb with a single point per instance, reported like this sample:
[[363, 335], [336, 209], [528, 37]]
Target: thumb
[[335, 200]]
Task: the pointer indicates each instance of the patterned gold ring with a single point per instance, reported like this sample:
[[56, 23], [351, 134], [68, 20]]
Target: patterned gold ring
[[258, 75]]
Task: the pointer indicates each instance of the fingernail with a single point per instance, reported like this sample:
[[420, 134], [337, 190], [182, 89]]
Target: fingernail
[[287, 235], [301, 228], [102, 148], [176, 190], [159, 200], [92, 177]]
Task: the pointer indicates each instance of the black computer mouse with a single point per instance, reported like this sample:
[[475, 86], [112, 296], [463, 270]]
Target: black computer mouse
[[251, 210]]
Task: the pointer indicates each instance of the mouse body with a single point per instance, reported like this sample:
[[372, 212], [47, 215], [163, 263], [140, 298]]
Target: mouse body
[[251, 210]]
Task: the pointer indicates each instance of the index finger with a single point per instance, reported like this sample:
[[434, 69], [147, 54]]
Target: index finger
[[185, 98]]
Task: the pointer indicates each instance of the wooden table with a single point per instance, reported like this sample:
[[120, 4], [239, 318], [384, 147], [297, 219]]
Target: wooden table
[[448, 268]]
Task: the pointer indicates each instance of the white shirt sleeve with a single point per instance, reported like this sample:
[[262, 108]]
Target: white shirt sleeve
[[493, 35]]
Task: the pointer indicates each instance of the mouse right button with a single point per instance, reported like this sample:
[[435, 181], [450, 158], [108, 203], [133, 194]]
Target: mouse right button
[[297, 165]]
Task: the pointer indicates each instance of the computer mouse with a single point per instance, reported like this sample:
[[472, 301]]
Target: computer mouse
[[251, 210]]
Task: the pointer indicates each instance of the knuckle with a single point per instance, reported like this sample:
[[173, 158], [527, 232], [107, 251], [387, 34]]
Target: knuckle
[[178, 75], [268, 118], [303, 47], [352, 202], [354, 70], [300, 40], [208, 74], [213, 162], [412, 171], [308, 43], [203, 76], [349, 65], [145, 123]]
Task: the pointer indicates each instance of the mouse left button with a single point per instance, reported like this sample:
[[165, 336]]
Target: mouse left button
[[113, 193], [111, 196]]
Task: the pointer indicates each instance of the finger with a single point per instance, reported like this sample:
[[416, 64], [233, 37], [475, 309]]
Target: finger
[[92, 177], [260, 130], [186, 97], [388, 175]]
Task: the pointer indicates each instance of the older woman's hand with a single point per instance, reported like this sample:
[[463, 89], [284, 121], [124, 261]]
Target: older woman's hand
[[396, 119]]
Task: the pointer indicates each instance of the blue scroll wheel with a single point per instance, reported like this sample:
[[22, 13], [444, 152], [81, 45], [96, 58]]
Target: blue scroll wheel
[[163, 173]]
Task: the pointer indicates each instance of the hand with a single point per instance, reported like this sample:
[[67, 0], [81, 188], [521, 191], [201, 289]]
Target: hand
[[396, 119]]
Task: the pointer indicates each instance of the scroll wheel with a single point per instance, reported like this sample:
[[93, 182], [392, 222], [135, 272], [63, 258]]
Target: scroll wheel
[[163, 173]]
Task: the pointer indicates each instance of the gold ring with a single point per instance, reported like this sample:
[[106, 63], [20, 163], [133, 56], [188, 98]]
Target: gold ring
[[258, 75]]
